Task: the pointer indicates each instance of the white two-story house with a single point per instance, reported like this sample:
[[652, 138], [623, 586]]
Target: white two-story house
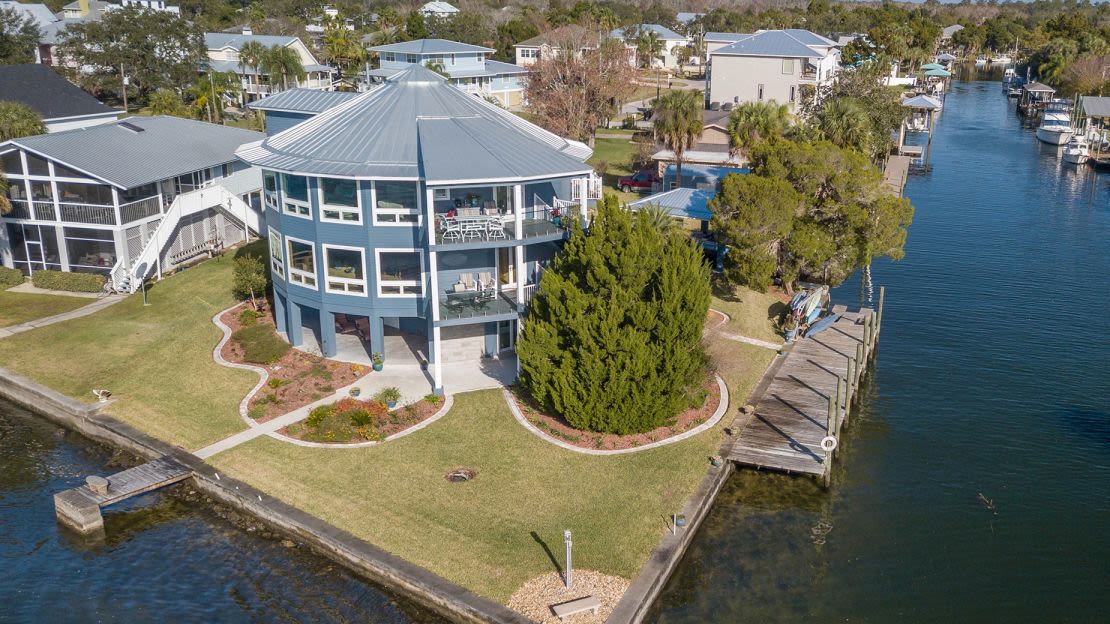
[[769, 65], [223, 56], [468, 67], [670, 39]]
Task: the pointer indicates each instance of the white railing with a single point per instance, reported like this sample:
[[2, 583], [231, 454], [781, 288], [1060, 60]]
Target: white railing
[[141, 209], [127, 278], [529, 292], [592, 184]]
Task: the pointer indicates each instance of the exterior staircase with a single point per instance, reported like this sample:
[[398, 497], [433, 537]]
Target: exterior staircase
[[126, 276]]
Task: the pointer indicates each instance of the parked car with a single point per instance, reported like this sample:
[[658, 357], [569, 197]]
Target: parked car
[[641, 180]]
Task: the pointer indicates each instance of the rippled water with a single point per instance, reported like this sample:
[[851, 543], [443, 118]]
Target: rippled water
[[161, 560], [993, 378]]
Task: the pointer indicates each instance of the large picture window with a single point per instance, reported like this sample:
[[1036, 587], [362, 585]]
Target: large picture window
[[296, 195], [346, 270], [302, 262], [277, 258], [11, 163], [339, 201], [400, 272], [396, 203]]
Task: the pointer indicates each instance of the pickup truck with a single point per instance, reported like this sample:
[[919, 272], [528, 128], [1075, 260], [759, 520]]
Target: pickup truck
[[641, 180]]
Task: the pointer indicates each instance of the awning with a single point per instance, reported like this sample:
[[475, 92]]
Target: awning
[[939, 73]]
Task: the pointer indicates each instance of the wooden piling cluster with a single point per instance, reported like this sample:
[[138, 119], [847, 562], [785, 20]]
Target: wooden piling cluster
[[809, 400]]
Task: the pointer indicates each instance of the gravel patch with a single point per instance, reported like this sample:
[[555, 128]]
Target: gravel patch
[[535, 598]]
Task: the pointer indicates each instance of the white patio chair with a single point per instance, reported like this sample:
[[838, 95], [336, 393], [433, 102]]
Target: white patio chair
[[450, 228], [496, 228]]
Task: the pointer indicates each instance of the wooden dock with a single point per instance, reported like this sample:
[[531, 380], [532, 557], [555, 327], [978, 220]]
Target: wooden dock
[[79, 508], [896, 171], [809, 398]]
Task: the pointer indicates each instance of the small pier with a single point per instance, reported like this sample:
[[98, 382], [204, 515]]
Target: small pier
[[79, 508], [809, 398]]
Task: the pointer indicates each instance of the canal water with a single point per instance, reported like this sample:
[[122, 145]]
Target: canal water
[[974, 484], [161, 559]]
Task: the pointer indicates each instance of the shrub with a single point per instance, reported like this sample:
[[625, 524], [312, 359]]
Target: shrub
[[317, 415], [388, 395], [358, 417], [256, 412], [433, 398], [251, 278], [72, 282], [260, 344], [248, 317], [10, 277]]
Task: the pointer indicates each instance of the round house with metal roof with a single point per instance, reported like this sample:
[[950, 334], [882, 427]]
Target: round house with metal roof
[[414, 221]]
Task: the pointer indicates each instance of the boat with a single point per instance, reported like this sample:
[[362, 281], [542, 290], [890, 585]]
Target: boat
[[821, 325], [982, 60], [1000, 60], [1013, 92], [1077, 151], [1055, 128], [1008, 76]]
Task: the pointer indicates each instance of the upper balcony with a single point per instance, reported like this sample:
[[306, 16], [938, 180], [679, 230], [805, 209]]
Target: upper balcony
[[94, 214], [488, 227]]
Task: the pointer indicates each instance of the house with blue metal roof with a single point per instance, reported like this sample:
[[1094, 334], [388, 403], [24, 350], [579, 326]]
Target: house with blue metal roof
[[768, 65], [670, 39], [414, 221], [223, 56], [128, 199], [468, 67]]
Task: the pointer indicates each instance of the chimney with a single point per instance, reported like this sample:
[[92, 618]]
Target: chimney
[[246, 29], [83, 6]]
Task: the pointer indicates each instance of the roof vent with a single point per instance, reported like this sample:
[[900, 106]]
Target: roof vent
[[130, 126]]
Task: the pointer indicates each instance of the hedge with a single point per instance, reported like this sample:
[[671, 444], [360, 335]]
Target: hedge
[[10, 277], [260, 344], [72, 282]]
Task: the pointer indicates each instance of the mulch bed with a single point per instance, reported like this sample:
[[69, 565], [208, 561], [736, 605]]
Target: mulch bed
[[382, 426], [296, 380], [559, 428]]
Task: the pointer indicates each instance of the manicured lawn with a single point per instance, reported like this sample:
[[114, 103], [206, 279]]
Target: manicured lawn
[[483, 534], [156, 360], [617, 154], [752, 312], [16, 307]]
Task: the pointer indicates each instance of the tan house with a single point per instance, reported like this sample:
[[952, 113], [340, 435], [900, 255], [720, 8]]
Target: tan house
[[549, 44], [770, 65]]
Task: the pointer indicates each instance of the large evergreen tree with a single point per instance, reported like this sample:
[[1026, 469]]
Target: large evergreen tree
[[613, 338]]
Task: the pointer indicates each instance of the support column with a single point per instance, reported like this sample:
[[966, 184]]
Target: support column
[[584, 200], [433, 286], [518, 210], [279, 312], [294, 329], [63, 253], [437, 372], [327, 333], [6, 258]]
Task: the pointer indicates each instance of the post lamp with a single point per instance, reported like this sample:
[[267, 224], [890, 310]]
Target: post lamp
[[566, 540]]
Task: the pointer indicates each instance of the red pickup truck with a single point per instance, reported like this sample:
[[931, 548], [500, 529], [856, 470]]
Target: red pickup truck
[[641, 180]]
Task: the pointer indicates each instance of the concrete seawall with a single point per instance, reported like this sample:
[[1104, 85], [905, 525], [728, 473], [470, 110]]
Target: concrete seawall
[[409, 580]]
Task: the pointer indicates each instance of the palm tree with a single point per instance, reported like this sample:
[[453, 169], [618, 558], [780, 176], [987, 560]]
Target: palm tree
[[845, 123], [648, 48], [752, 123], [250, 56], [283, 61], [659, 217], [677, 123], [343, 46], [17, 120]]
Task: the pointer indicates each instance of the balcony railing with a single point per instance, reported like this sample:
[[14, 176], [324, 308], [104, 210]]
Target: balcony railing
[[21, 209], [44, 210], [141, 209], [494, 228], [88, 213], [466, 305]]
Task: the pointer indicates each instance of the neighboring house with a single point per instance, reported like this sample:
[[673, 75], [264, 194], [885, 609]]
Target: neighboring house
[[438, 9], [686, 18], [549, 44], [711, 150], [223, 56], [671, 41], [126, 199], [949, 31], [289, 108], [716, 40], [770, 65], [86, 11], [61, 104], [42, 17], [413, 221], [468, 67]]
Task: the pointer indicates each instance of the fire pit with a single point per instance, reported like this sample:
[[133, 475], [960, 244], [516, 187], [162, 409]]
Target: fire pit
[[460, 475]]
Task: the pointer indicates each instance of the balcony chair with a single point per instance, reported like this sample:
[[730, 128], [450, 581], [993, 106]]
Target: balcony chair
[[450, 228]]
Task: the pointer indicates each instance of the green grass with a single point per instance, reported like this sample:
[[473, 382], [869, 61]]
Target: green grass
[[617, 154], [480, 534], [752, 312], [16, 307], [156, 360]]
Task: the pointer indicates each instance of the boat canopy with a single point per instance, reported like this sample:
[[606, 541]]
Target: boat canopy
[[927, 66], [923, 101], [938, 73]]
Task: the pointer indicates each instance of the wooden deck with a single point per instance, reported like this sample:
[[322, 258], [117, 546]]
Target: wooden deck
[[792, 414], [896, 171], [80, 507]]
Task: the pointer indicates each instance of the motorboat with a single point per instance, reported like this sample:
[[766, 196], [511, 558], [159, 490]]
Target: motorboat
[[1000, 60], [1077, 151], [982, 60], [1008, 75], [1055, 128], [1013, 92]]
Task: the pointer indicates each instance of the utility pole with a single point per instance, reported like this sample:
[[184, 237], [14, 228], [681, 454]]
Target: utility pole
[[123, 86]]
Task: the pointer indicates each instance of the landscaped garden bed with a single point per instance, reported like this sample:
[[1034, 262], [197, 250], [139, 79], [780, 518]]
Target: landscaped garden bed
[[296, 378], [703, 404], [351, 421]]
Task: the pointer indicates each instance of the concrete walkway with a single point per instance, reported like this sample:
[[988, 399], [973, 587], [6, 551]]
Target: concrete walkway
[[93, 307], [724, 318], [31, 289]]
